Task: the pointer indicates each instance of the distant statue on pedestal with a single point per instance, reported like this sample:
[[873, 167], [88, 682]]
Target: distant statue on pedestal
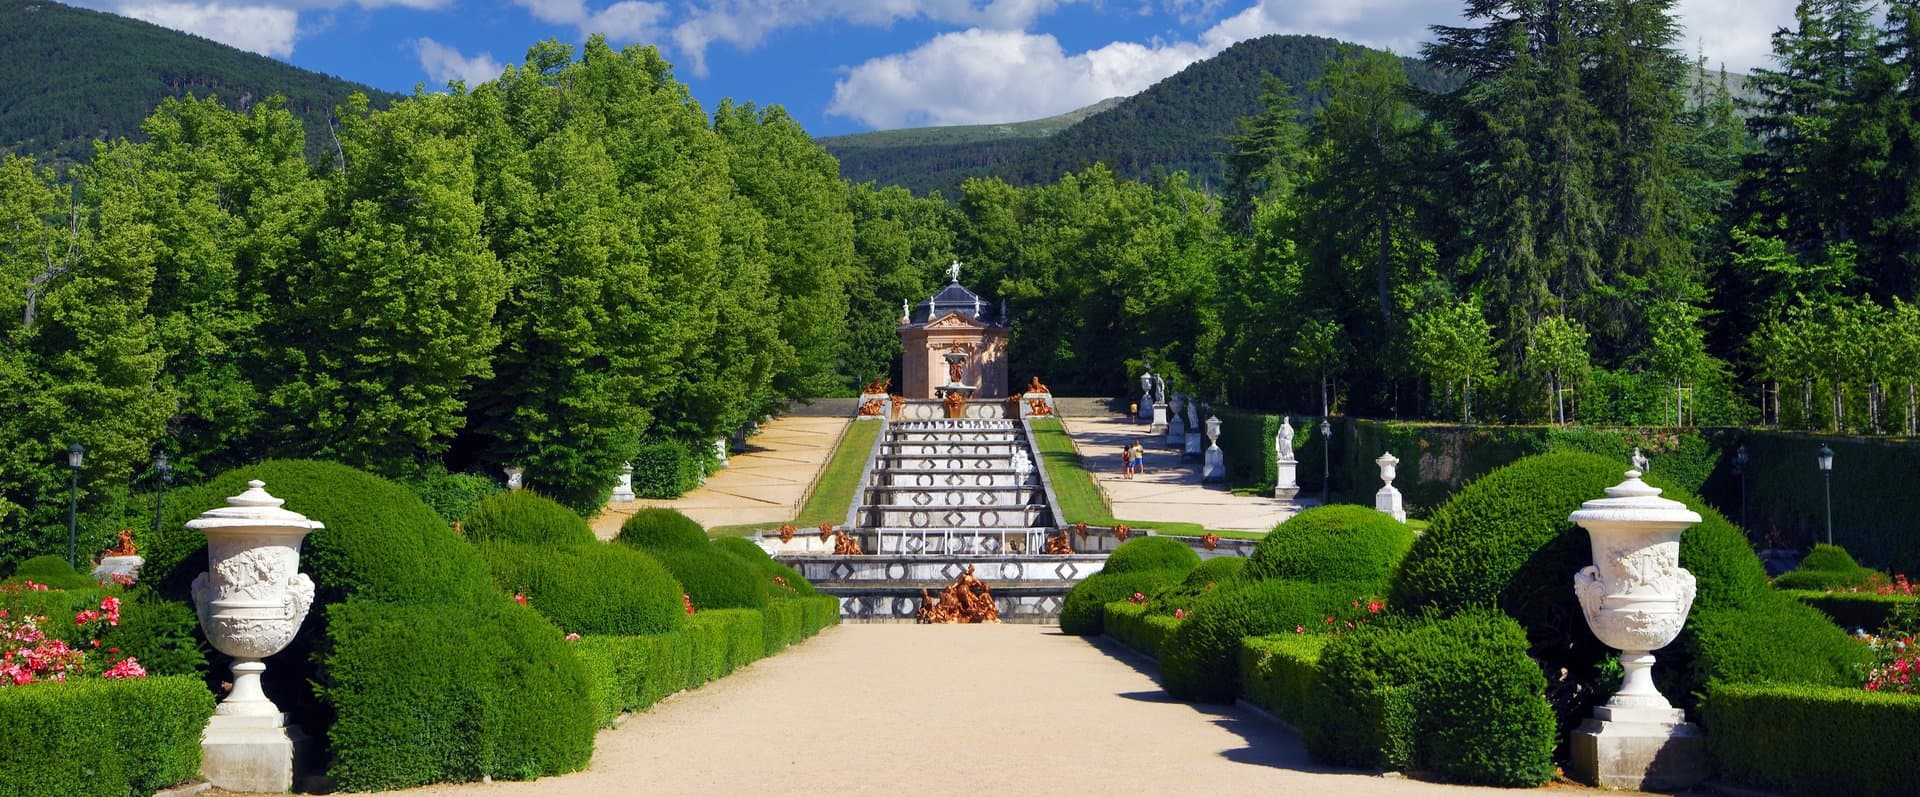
[[1283, 441]]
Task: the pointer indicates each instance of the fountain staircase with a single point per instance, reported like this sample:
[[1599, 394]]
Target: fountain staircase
[[937, 496]]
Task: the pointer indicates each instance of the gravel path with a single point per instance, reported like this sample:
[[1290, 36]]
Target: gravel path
[[906, 709]]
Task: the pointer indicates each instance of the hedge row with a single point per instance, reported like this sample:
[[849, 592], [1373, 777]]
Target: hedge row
[[631, 673], [1083, 612], [1814, 740], [1866, 611], [101, 737], [1281, 673], [1131, 625]]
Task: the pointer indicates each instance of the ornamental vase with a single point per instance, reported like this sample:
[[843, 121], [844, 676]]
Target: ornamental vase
[[253, 597], [1635, 595]]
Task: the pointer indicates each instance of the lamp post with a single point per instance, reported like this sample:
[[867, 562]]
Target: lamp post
[[1825, 459], [1326, 460], [162, 477], [76, 456], [1740, 462]]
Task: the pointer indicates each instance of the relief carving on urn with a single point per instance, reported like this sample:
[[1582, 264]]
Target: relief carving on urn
[[253, 598]]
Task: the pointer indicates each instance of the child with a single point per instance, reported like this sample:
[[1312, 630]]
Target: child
[[1126, 462]]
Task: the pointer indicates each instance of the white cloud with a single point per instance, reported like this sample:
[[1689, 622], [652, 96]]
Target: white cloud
[[625, 21], [981, 76], [1737, 33], [746, 23], [267, 30], [444, 64]]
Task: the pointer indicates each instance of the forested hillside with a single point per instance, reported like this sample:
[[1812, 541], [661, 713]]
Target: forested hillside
[[1178, 124], [69, 76]]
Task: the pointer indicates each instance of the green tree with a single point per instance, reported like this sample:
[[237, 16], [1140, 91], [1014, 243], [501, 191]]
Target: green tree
[[1559, 349], [1452, 346], [898, 241], [1321, 349], [1264, 160]]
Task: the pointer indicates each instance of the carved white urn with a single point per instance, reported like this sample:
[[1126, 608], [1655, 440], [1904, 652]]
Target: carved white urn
[[516, 476], [623, 488], [1388, 499], [253, 597], [1636, 597]]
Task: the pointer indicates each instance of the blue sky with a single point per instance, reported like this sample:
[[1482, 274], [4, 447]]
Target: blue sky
[[844, 66]]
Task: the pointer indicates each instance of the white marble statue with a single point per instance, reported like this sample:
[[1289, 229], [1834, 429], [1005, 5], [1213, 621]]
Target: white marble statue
[[1283, 441]]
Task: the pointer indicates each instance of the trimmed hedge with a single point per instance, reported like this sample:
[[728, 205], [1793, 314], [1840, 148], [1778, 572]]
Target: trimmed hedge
[[1083, 612], [591, 588], [1131, 625], [1867, 611], [1281, 673], [101, 737], [645, 669], [1777, 640], [768, 568], [453, 495], [654, 528], [1342, 542], [1216, 573], [1827, 567], [1201, 660], [52, 571], [1456, 696], [713, 578], [667, 468], [1151, 553], [1812, 740], [451, 692], [525, 517]]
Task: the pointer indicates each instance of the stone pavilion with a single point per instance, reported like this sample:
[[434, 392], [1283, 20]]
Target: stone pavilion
[[954, 320]]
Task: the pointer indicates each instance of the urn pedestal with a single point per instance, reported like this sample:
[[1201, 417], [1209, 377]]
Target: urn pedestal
[[1388, 499], [251, 601], [1214, 467], [1636, 597], [623, 489], [1159, 426]]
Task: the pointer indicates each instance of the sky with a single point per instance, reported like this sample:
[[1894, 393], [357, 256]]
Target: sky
[[848, 66]]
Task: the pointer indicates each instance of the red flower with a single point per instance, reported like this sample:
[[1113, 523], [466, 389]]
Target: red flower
[[1179, 614], [1374, 607], [520, 598]]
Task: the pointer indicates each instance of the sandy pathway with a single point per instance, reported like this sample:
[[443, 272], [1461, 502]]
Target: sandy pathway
[[905, 709]]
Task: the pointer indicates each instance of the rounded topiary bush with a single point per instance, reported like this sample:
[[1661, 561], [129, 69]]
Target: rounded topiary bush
[[1342, 542], [52, 571], [1216, 573], [656, 528], [1455, 696], [1776, 640], [768, 568], [524, 517], [1826, 567], [1201, 661], [451, 692], [1083, 612], [1151, 553], [713, 578], [1505, 541], [590, 588]]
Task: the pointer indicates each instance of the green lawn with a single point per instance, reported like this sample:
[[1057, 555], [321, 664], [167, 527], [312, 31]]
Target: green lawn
[[832, 491]]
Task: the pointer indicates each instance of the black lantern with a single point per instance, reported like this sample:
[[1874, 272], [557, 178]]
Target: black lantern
[[76, 456], [1825, 460], [162, 478], [1326, 460], [1740, 462]]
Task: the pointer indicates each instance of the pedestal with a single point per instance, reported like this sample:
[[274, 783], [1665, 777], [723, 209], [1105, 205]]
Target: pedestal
[[250, 753], [1027, 408], [1146, 409], [1649, 749], [111, 566], [1286, 486], [1159, 418], [1215, 467], [1177, 431], [720, 451], [1388, 501], [1194, 444]]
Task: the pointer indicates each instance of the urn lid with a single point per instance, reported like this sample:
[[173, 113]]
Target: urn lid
[[253, 508], [1634, 501], [1389, 459]]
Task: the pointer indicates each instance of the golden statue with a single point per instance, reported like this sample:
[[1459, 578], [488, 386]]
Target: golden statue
[[1211, 540], [956, 405], [1061, 543], [845, 544], [879, 385], [1122, 531], [967, 601], [1035, 386], [871, 407], [125, 548], [786, 532]]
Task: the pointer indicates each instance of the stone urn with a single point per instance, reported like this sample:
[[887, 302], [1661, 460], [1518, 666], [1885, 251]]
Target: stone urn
[[623, 488], [252, 600], [1636, 597], [516, 477], [1388, 499], [1213, 467]]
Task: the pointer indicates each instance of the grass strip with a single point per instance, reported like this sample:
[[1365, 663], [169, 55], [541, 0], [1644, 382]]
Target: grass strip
[[1081, 500]]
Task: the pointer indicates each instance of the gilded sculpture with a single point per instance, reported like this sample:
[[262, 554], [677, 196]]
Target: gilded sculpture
[[967, 600]]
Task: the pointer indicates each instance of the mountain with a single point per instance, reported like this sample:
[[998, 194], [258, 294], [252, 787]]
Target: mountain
[[69, 76], [926, 158], [1179, 123]]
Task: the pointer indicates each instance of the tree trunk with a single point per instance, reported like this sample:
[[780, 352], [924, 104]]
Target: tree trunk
[[1466, 403]]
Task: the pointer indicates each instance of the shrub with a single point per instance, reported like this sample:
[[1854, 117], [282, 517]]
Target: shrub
[[1778, 640], [1342, 542], [52, 571], [591, 588], [161, 633], [1281, 673], [1216, 573], [741, 636], [1456, 696], [453, 495], [665, 468], [657, 528], [1201, 660], [1131, 625], [1218, 570], [713, 578], [524, 517], [1827, 567], [1151, 553], [451, 692], [768, 568], [1867, 611], [1083, 611], [101, 737], [1813, 740]]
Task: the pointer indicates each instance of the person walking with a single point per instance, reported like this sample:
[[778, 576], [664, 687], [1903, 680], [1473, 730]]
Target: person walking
[[1139, 456]]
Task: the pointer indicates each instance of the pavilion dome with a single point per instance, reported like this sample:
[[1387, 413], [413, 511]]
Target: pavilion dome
[[955, 298]]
